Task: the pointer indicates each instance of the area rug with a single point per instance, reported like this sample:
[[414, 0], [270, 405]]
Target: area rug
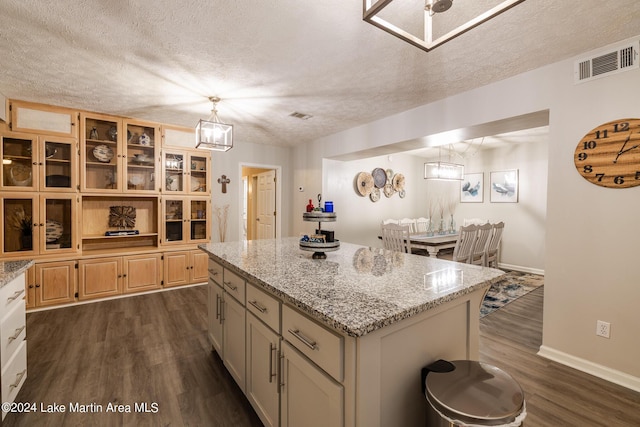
[[512, 286]]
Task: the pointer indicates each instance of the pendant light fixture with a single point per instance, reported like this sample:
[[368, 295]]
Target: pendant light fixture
[[443, 171], [211, 134]]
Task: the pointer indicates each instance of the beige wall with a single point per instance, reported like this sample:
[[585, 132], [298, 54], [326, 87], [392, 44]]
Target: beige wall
[[591, 232]]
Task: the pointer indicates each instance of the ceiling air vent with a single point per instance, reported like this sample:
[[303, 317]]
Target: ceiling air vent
[[300, 116], [607, 61]]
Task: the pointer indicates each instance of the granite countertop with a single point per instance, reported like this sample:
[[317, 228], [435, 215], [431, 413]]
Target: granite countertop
[[9, 270], [356, 289]]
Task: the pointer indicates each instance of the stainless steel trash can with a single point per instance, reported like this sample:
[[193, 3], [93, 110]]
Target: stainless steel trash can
[[470, 393]]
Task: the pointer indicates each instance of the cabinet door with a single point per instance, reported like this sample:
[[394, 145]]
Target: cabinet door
[[19, 162], [173, 171], [198, 174], [141, 272], [175, 212], [233, 338], [20, 225], [58, 223], [198, 269], [198, 222], [176, 268], [309, 397], [101, 153], [30, 288], [55, 283], [40, 118], [100, 277], [215, 316], [141, 157], [262, 365], [58, 164]]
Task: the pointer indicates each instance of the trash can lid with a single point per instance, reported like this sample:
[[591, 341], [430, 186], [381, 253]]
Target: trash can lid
[[475, 392]]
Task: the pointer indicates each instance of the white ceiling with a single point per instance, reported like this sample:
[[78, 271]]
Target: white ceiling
[[161, 60]]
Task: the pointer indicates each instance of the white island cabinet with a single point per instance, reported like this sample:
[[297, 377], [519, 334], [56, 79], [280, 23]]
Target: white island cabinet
[[340, 341], [13, 329]]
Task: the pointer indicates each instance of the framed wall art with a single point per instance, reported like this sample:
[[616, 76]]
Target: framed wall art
[[472, 188], [504, 186]]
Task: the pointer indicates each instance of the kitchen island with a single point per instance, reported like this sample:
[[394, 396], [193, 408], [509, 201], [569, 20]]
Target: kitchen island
[[345, 337]]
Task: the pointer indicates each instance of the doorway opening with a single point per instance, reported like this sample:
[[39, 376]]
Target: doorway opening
[[260, 195]]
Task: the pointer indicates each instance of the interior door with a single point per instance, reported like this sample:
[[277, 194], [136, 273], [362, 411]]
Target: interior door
[[266, 205]]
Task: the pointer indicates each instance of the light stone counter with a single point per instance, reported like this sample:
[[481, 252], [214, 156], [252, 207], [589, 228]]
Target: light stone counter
[[9, 270], [357, 289]]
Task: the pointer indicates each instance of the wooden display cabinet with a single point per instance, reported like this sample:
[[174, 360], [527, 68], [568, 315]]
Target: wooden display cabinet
[[32, 163], [44, 224], [40, 118], [186, 172], [186, 220], [55, 283], [101, 153]]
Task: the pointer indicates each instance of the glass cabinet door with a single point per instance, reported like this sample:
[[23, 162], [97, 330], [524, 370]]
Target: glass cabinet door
[[19, 228], [173, 163], [198, 174], [100, 152], [141, 159], [60, 164], [199, 223], [57, 226], [19, 162], [174, 220]]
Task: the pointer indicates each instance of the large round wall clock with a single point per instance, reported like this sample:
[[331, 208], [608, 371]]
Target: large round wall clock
[[609, 155]]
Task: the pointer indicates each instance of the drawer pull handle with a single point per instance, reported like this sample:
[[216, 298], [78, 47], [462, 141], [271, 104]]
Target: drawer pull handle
[[217, 306], [15, 295], [17, 334], [258, 306], [272, 349], [18, 379], [213, 272], [231, 286], [311, 344]]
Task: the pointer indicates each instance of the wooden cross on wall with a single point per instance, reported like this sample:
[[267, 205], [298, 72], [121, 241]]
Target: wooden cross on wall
[[224, 181]]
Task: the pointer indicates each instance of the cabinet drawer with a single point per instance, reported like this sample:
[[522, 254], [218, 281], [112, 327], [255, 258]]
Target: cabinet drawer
[[12, 294], [264, 306], [215, 271], [234, 285], [319, 344], [14, 374], [13, 330]]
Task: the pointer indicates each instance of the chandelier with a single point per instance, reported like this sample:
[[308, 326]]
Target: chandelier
[[443, 171], [372, 9], [211, 134]]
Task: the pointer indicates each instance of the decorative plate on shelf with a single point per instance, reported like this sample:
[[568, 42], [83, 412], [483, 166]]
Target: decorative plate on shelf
[[53, 231], [364, 183], [103, 153], [379, 177]]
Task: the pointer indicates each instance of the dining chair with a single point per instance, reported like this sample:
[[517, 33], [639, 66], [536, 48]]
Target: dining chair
[[395, 237], [410, 222], [479, 250], [390, 221], [464, 245], [491, 257], [474, 221], [422, 225]]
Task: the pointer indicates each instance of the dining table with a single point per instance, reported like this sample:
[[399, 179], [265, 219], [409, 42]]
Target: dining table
[[433, 243]]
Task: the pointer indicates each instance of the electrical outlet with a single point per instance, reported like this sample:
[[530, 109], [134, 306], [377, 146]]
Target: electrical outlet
[[603, 329]]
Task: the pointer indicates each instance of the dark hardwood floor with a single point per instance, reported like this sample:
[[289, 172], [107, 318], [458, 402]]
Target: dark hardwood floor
[[153, 349]]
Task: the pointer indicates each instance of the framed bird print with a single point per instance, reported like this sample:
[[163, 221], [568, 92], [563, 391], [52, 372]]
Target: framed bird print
[[504, 186], [472, 188]]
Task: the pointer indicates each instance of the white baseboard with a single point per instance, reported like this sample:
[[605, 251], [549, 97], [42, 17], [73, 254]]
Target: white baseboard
[[521, 268], [608, 374]]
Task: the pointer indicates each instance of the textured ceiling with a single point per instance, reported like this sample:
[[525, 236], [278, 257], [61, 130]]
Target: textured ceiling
[[161, 60]]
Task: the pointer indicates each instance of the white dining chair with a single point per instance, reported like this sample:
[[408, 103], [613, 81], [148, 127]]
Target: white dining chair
[[474, 221], [493, 246], [479, 251], [389, 221], [464, 245], [410, 222], [395, 237], [422, 225]]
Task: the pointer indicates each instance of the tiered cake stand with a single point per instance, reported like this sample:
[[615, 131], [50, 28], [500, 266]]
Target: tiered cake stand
[[319, 248]]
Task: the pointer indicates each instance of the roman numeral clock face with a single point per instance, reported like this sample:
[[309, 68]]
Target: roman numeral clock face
[[609, 155]]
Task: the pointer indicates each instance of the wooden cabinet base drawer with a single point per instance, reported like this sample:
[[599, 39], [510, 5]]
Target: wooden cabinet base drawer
[[13, 330], [264, 306], [322, 346], [14, 374]]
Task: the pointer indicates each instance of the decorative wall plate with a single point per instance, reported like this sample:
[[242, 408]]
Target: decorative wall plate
[[402, 193], [364, 183], [379, 177], [102, 153], [54, 230], [398, 182], [375, 195], [388, 190], [122, 216]]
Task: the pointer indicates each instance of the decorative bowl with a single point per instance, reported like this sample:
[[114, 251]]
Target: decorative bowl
[[103, 153], [142, 158]]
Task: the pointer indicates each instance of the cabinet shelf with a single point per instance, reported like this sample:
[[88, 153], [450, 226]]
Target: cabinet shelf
[[102, 141], [101, 164], [103, 237]]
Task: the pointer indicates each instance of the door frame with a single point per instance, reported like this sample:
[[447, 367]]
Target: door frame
[[278, 219]]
